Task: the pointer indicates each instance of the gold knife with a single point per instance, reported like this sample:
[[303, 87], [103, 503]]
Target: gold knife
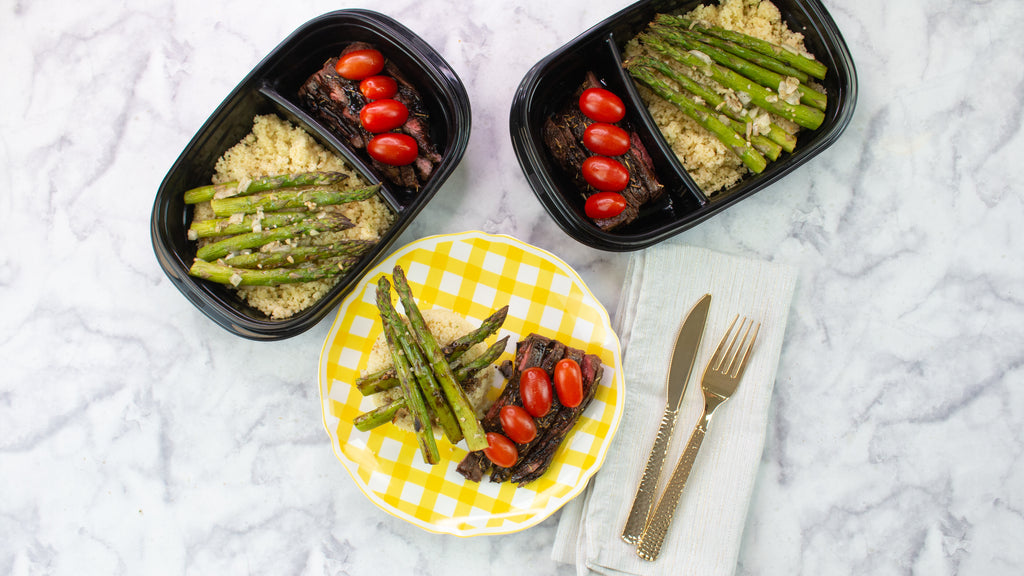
[[687, 342]]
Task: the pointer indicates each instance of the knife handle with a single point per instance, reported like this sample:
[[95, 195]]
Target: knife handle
[[643, 501], [650, 542]]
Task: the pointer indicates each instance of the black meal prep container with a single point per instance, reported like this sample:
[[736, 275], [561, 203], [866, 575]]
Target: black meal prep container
[[553, 80], [272, 87]]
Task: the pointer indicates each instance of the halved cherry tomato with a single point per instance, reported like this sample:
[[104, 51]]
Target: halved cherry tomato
[[359, 64], [535, 391], [383, 115], [601, 105], [604, 205], [607, 139], [569, 382], [605, 174], [517, 424], [501, 450], [377, 87], [393, 149]]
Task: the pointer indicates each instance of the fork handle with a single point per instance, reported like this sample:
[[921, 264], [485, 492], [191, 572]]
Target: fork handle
[[650, 542], [643, 501]]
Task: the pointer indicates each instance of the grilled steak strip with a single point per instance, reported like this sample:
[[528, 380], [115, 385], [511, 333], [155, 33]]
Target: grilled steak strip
[[563, 136], [336, 102], [552, 428], [539, 458]]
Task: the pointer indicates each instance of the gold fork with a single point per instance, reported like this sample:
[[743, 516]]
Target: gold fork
[[721, 376]]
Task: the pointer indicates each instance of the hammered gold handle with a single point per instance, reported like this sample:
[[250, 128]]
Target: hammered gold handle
[[643, 501], [650, 542]]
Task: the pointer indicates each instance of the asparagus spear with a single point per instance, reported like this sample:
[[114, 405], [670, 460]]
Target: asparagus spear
[[798, 61], [224, 274], [289, 199], [292, 255], [751, 158], [428, 382], [414, 400], [378, 416], [763, 144], [464, 414], [387, 379], [241, 242], [763, 60], [206, 193], [228, 226], [803, 115], [762, 76]]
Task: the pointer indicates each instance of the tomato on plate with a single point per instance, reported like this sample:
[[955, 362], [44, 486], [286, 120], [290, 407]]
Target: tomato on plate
[[569, 382], [517, 424], [535, 391], [393, 149], [605, 174], [383, 115], [378, 87], [604, 205], [501, 450], [606, 139], [602, 105], [360, 64]]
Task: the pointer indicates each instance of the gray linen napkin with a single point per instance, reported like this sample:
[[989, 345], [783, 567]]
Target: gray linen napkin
[[662, 283]]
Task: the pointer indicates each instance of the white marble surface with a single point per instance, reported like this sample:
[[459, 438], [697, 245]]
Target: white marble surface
[[136, 437]]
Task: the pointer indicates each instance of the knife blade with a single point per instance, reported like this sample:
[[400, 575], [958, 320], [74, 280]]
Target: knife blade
[[683, 355]]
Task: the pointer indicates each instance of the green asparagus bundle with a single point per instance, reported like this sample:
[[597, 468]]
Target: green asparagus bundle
[[766, 98], [785, 56], [750, 157], [320, 179], [410, 388], [473, 432], [763, 76], [265, 212]]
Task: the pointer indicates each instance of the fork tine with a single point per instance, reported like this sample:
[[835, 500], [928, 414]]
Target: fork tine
[[747, 345], [723, 348]]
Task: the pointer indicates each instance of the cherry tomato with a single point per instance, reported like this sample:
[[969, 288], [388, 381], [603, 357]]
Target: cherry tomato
[[378, 87], [607, 139], [569, 382], [605, 174], [535, 390], [501, 450], [604, 205], [383, 115], [360, 64], [393, 149], [517, 424], [600, 105]]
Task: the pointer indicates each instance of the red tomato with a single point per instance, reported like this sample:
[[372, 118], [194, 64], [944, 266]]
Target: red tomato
[[604, 205], [535, 390], [360, 64], [383, 115], [501, 450], [378, 87], [569, 382], [605, 174], [600, 105], [393, 149], [517, 424], [607, 139]]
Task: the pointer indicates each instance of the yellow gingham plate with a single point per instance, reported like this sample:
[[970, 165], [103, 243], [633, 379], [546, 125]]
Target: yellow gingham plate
[[472, 274]]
